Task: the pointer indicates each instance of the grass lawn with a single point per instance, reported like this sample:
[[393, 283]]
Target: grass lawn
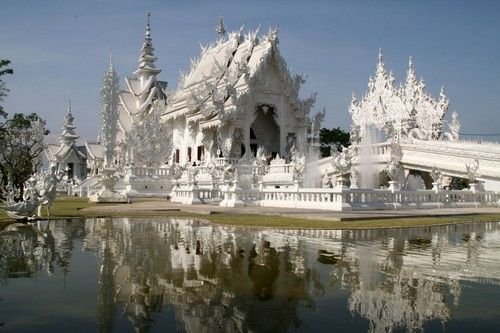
[[65, 207]]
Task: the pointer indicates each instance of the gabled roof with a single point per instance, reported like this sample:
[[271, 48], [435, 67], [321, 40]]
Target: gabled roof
[[50, 152], [59, 153], [94, 150], [64, 151], [229, 62]]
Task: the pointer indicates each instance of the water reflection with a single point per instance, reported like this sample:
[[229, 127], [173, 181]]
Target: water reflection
[[206, 278]]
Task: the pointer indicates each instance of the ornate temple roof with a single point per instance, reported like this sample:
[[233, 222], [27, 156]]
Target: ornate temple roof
[[94, 150], [225, 69], [68, 137], [398, 109], [142, 87]]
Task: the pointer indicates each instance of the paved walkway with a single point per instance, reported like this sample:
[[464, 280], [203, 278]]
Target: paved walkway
[[158, 205]]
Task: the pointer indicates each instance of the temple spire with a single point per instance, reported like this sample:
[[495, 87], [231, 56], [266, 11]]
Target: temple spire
[[147, 58], [380, 72], [111, 59], [220, 28], [68, 135], [69, 116]]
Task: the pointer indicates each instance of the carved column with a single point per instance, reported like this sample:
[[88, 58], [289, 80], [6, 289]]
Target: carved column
[[282, 124], [208, 144]]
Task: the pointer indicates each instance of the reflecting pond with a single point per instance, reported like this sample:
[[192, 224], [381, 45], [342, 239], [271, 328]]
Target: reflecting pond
[[126, 275]]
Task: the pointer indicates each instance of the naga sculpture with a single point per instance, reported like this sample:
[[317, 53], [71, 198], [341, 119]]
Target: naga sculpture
[[39, 191]]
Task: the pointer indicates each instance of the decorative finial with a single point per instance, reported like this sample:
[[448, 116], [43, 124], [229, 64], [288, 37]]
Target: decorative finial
[[220, 28], [111, 58], [410, 63], [380, 55], [273, 35], [68, 118], [148, 26]]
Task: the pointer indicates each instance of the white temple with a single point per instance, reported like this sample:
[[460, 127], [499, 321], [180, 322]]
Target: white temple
[[235, 132], [68, 156], [238, 96]]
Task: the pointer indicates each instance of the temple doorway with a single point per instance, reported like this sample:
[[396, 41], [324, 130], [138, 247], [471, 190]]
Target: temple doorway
[[265, 131]]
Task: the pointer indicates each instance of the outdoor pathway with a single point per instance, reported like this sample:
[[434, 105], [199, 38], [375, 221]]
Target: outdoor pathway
[[151, 205]]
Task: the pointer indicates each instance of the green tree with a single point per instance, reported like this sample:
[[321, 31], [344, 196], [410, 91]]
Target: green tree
[[334, 137], [3, 90], [21, 140]]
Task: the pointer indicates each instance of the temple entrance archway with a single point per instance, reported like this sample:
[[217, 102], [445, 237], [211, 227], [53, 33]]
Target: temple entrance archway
[[265, 131]]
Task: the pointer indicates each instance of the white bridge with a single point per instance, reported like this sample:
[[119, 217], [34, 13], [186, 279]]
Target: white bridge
[[450, 157]]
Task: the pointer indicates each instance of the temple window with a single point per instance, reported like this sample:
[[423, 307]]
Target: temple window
[[177, 156], [199, 155]]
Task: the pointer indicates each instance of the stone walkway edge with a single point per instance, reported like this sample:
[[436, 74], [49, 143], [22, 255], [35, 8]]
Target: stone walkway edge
[[164, 206]]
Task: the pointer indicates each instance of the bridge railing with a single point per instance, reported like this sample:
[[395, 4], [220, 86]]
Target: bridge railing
[[359, 199]]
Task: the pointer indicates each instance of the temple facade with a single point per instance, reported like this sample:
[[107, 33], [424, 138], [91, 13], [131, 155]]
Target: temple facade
[[238, 96], [68, 156]]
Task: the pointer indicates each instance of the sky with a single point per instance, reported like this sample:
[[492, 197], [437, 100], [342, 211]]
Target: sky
[[59, 50]]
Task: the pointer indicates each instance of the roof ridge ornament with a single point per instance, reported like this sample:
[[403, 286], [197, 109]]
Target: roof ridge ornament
[[69, 116], [147, 58], [220, 28], [273, 35]]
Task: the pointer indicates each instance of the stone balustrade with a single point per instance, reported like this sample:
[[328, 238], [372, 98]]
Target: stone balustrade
[[281, 168], [196, 195], [337, 199], [151, 172], [221, 161]]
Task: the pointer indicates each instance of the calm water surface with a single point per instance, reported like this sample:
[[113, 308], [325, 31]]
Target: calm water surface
[[169, 275]]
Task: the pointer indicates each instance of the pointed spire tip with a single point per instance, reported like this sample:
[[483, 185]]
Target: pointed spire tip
[[220, 27], [111, 58]]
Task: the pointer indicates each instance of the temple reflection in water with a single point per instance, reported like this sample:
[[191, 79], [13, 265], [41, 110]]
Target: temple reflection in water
[[213, 278]]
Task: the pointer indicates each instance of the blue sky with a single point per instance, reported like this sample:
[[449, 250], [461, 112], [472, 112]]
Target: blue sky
[[59, 49]]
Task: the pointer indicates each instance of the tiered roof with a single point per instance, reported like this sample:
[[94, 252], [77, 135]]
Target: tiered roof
[[141, 89], [68, 137], [224, 72]]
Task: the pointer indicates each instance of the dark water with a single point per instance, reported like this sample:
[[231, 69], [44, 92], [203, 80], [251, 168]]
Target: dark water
[[126, 275]]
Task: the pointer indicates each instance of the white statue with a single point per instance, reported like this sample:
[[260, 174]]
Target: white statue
[[471, 169], [11, 192], [341, 161], [436, 174], [393, 169], [46, 187], [299, 162], [25, 208], [39, 191], [326, 182]]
